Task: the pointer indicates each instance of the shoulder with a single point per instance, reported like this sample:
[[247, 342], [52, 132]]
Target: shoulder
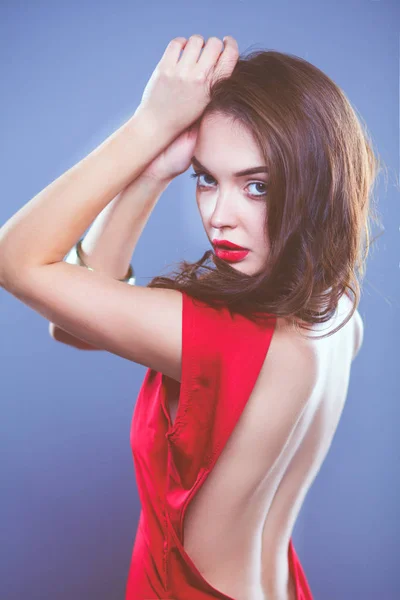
[[288, 380], [292, 360], [294, 342]]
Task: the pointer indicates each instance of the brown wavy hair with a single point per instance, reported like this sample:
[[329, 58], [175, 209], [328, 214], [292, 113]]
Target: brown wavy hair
[[322, 172]]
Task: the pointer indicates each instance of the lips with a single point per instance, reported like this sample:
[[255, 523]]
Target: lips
[[231, 255], [226, 245], [230, 248]]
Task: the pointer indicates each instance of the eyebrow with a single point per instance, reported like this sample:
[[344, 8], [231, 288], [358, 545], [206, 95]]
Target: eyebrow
[[251, 171]]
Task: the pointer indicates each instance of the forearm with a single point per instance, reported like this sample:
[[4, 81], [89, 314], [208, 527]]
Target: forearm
[[46, 228], [110, 242]]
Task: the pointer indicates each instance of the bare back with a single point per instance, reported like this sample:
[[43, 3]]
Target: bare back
[[237, 527]]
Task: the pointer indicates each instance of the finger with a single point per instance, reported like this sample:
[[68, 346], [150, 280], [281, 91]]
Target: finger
[[211, 53], [228, 58], [172, 52], [192, 50]]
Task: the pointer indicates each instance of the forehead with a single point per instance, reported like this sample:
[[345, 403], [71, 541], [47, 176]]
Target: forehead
[[226, 145]]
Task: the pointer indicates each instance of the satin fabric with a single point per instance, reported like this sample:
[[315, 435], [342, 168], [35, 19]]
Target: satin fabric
[[222, 355]]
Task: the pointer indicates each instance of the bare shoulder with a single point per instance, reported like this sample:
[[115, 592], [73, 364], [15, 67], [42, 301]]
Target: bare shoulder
[[351, 334], [291, 361], [293, 341], [288, 381], [359, 337]]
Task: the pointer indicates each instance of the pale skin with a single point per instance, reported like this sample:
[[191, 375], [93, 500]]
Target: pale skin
[[237, 212], [232, 208], [290, 419], [35, 240]]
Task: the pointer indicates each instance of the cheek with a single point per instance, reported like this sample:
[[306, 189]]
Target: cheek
[[260, 227], [201, 209]]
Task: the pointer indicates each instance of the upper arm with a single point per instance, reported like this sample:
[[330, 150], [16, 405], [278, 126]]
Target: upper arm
[[141, 324]]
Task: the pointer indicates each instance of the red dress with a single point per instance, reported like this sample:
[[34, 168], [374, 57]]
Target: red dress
[[222, 356]]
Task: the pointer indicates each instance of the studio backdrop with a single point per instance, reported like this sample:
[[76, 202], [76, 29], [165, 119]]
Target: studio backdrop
[[71, 73]]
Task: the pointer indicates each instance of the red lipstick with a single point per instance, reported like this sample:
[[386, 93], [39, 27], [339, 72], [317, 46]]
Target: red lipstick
[[229, 251]]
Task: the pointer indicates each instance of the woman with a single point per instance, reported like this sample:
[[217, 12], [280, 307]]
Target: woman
[[238, 407]]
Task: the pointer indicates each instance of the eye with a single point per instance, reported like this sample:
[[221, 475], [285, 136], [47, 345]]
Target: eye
[[255, 183]]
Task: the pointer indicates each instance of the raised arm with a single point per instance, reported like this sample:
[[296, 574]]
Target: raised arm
[[111, 241]]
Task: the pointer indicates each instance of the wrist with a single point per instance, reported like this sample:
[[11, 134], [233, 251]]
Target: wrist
[[157, 128], [156, 178]]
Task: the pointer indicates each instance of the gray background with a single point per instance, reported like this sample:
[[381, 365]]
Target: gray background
[[71, 73]]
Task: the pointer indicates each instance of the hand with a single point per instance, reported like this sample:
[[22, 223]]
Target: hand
[[177, 93], [176, 158]]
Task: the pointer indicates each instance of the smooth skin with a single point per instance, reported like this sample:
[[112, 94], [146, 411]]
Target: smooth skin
[[137, 323]]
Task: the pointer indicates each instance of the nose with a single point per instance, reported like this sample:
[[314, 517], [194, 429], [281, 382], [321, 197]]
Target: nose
[[223, 214]]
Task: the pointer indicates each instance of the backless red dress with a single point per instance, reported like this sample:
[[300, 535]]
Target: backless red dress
[[222, 356]]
